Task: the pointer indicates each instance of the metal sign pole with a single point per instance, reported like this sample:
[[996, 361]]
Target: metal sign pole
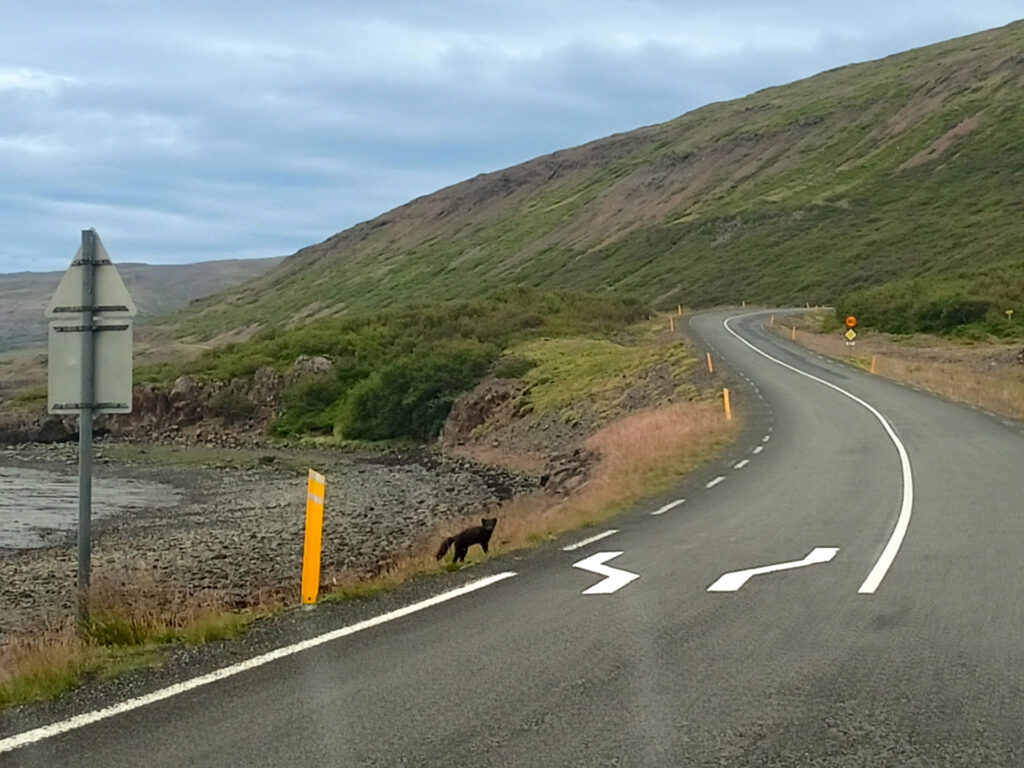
[[85, 415]]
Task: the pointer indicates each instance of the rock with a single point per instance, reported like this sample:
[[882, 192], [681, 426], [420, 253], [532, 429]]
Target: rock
[[305, 365]]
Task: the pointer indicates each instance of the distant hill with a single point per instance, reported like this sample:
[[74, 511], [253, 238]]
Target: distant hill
[[156, 289], [906, 168]]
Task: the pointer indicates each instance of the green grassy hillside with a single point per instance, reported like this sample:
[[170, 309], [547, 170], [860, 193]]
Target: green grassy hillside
[[906, 168]]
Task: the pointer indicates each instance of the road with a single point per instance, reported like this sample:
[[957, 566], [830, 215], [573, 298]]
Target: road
[[796, 667]]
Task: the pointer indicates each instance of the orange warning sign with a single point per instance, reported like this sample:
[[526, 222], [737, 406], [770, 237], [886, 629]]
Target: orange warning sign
[[851, 322]]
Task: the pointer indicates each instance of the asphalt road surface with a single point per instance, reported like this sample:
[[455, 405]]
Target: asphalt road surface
[[828, 664]]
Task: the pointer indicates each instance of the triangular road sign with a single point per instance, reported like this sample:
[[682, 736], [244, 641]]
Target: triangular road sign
[[112, 299]]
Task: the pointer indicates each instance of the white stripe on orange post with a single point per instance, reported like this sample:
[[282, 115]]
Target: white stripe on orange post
[[315, 493]]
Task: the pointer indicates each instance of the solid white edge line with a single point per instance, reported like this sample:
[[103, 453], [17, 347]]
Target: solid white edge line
[[892, 548], [38, 734], [671, 505], [715, 482], [591, 540]]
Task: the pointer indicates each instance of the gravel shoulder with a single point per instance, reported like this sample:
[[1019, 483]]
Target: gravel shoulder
[[236, 531]]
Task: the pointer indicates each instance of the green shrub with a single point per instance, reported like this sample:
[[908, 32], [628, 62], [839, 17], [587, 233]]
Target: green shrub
[[916, 306], [513, 367], [410, 397], [308, 405]]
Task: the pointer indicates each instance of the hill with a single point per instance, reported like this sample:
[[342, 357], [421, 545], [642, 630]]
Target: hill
[[905, 168], [156, 289]]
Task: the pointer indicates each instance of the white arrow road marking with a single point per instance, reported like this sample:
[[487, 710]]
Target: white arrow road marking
[[730, 582], [591, 540], [667, 507], [615, 578]]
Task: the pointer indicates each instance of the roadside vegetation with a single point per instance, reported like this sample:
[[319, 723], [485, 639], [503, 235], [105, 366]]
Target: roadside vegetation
[[588, 374], [985, 373], [125, 631], [396, 373]]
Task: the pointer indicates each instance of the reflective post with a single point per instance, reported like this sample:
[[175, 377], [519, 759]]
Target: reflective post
[[315, 492]]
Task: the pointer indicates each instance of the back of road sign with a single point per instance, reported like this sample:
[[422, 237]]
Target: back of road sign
[[111, 298], [113, 367], [107, 318]]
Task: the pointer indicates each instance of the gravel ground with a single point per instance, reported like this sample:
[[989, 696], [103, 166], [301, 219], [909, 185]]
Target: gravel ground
[[237, 531]]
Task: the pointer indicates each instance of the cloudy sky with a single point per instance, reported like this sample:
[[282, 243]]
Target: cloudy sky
[[202, 130]]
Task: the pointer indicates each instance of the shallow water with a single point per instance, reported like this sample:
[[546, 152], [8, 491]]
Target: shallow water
[[37, 507]]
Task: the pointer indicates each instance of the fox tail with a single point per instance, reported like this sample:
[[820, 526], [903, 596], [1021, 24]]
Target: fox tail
[[444, 547]]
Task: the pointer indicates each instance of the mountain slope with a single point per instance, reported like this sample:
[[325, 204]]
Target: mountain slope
[[156, 289], [906, 167]]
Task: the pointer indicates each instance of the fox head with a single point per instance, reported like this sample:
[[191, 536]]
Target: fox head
[[488, 523]]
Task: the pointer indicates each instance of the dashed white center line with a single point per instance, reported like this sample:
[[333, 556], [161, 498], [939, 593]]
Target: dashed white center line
[[742, 464], [591, 540], [766, 438], [715, 482], [758, 449], [667, 507]]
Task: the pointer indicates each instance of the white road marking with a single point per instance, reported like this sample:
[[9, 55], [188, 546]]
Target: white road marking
[[766, 438], [758, 449], [742, 464], [591, 540], [615, 578], [38, 734], [715, 482], [671, 505], [892, 548], [730, 582]]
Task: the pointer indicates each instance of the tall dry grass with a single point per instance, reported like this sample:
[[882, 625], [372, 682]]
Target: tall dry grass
[[131, 617], [640, 454]]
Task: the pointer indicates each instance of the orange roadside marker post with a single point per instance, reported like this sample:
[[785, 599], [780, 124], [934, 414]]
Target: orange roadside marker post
[[711, 368], [728, 408], [316, 489]]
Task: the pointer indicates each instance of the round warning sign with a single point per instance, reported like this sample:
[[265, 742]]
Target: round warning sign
[[851, 322]]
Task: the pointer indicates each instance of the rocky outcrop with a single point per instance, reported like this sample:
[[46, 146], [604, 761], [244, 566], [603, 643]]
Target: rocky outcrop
[[480, 405], [191, 410], [566, 472], [33, 427]]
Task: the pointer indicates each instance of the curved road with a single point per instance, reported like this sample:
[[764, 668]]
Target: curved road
[[796, 667]]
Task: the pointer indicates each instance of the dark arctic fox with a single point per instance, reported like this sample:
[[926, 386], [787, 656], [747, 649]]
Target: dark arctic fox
[[478, 534]]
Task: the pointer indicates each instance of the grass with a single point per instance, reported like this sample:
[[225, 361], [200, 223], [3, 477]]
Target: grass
[[599, 371], [130, 626]]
